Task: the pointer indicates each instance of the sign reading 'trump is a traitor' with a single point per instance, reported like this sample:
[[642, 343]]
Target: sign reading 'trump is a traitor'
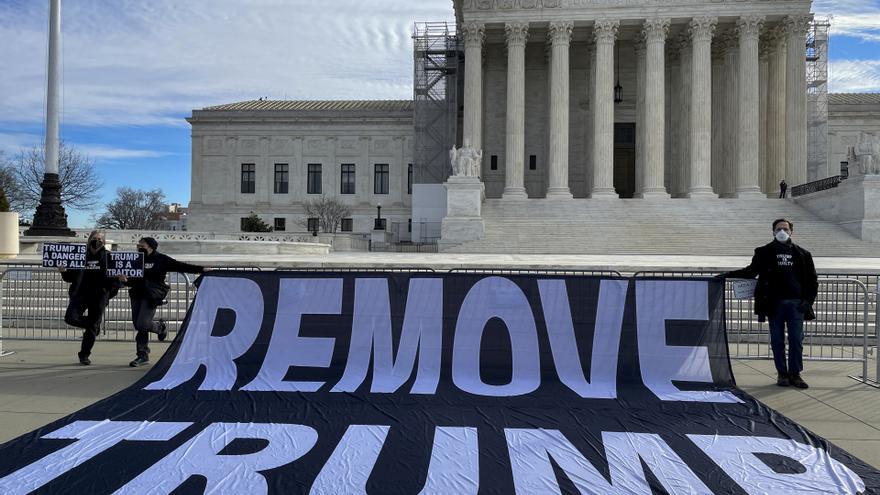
[[62, 255], [130, 264]]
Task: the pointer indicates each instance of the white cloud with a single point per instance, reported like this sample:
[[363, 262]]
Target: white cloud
[[855, 76], [856, 18], [135, 62], [110, 153]]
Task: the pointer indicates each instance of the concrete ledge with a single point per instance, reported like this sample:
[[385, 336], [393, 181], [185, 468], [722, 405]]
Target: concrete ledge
[[244, 247]]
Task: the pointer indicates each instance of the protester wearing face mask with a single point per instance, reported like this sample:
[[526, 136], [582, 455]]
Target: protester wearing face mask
[[148, 293], [786, 289], [90, 291]]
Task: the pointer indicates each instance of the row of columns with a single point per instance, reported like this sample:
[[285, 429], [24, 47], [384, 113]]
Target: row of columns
[[786, 105]]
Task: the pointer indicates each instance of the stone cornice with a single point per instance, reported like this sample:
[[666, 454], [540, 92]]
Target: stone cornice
[[494, 11]]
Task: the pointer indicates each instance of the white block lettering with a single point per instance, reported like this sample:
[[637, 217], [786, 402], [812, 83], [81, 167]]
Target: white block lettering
[[296, 297], [496, 297], [226, 474], [216, 354], [371, 335]]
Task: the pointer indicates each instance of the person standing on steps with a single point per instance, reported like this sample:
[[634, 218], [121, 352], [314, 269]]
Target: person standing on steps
[[785, 293], [90, 292], [783, 187], [149, 293]]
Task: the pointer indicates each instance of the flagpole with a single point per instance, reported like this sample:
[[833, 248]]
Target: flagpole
[[50, 218]]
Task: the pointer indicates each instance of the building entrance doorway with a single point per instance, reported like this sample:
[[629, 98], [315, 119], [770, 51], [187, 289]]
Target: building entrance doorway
[[625, 159]]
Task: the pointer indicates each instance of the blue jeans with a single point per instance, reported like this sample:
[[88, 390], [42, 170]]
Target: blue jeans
[[788, 312]]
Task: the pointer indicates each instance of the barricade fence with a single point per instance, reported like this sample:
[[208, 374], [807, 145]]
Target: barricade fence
[[33, 301]]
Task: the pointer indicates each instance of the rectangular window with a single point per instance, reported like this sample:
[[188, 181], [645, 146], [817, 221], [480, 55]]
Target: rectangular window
[[282, 176], [347, 182], [409, 172], [280, 224], [248, 178], [494, 163], [380, 179], [314, 179], [242, 223], [346, 225], [409, 225], [312, 224], [533, 162]]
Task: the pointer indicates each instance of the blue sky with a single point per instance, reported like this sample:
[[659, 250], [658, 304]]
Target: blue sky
[[134, 69]]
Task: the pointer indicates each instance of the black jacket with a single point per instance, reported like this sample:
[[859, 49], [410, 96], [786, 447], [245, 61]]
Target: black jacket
[[94, 283], [764, 266], [156, 268]]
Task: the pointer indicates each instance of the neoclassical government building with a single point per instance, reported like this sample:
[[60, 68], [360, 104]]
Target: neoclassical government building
[[566, 100]]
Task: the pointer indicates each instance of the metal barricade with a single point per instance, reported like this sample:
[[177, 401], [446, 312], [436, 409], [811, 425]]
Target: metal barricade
[[33, 301], [537, 271], [846, 327], [396, 269]]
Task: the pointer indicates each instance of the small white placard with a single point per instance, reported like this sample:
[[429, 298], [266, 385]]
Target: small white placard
[[743, 288]]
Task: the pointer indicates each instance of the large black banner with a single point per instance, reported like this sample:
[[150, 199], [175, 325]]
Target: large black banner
[[291, 383]]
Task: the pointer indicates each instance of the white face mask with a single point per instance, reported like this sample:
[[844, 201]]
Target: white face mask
[[782, 236]]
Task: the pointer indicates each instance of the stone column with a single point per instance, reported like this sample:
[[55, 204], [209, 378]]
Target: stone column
[[776, 111], [560, 39], [796, 99], [588, 134], [701, 30], [362, 172], [640, 113], [682, 166], [473, 34], [747, 179], [655, 39], [514, 169], [730, 115], [604, 33], [763, 172]]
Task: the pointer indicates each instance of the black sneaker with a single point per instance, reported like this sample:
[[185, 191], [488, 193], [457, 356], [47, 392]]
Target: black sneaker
[[163, 331], [84, 360], [140, 360], [782, 379], [797, 381]]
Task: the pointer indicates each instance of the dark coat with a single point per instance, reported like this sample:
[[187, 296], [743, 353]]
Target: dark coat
[[764, 267], [156, 267], [94, 283]]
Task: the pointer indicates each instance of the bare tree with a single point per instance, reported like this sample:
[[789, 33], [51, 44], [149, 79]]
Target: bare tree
[[328, 211], [9, 184], [133, 209], [76, 172]]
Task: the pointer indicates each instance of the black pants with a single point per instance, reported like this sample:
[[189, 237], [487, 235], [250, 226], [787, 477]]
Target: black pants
[[782, 194], [142, 313], [76, 316]]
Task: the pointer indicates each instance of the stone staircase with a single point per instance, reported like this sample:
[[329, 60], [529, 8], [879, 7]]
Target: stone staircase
[[711, 227]]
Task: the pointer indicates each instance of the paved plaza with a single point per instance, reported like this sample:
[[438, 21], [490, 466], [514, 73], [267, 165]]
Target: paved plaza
[[446, 261]]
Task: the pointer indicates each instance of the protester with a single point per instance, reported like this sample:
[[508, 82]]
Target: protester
[[783, 186], [148, 293], [90, 291], [785, 293]]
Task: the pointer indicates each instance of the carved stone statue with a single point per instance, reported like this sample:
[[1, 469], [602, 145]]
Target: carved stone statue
[[465, 161], [867, 154]]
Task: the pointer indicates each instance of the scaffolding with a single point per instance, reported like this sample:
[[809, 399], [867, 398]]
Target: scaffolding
[[437, 60], [817, 99]]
